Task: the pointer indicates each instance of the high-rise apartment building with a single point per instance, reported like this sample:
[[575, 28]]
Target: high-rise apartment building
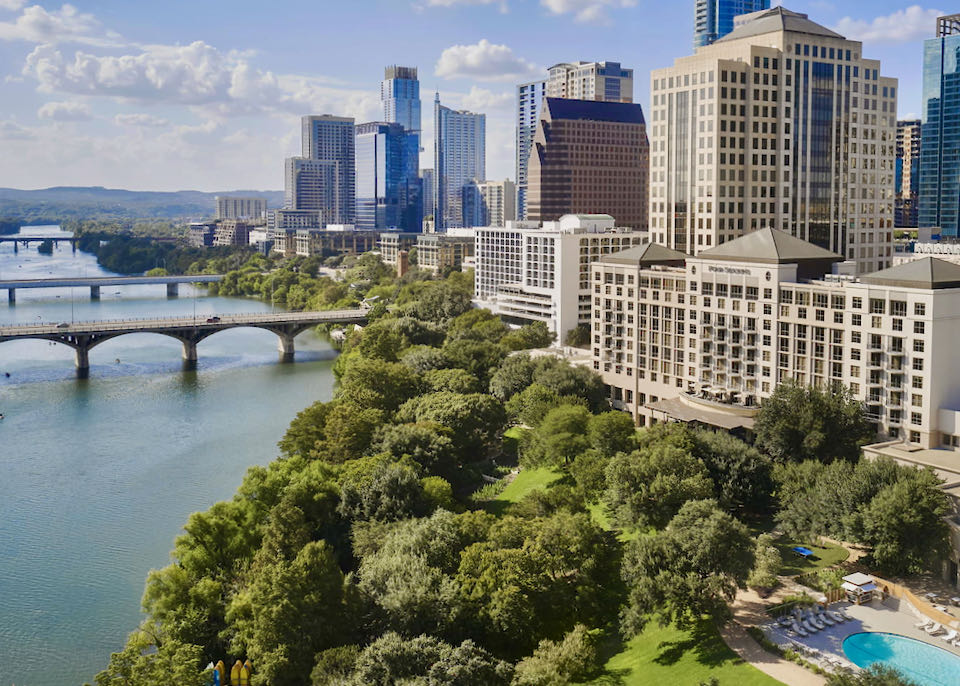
[[907, 184], [426, 182], [782, 123], [381, 162], [459, 159], [589, 157], [529, 272], [313, 185], [237, 207], [939, 195], [529, 101], [498, 202], [400, 94], [606, 81], [330, 140], [708, 338], [714, 18]]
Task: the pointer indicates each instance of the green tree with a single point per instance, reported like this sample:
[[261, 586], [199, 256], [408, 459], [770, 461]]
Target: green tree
[[392, 491], [348, 431], [453, 380], [560, 437], [535, 335], [429, 444], [513, 375], [480, 358], [875, 675], [476, 419], [767, 565], [149, 660], [422, 358], [477, 325], [376, 384], [742, 476], [334, 666], [442, 301], [612, 432], [650, 485], [804, 423], [558, 663], [905, 525], [578, 336], [690, 569], [306, 430], [531, 405]]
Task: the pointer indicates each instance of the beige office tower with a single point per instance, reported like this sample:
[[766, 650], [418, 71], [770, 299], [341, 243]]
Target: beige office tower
[[781, 123], [606, 81], [498, 202]]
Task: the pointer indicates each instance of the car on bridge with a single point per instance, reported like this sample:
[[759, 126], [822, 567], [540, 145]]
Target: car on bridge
[[63, 325], [213, 320]]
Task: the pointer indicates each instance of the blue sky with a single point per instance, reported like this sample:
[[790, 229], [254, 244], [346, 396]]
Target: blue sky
[[207, 94]]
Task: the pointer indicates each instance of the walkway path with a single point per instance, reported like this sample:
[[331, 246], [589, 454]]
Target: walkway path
[[748, 610]]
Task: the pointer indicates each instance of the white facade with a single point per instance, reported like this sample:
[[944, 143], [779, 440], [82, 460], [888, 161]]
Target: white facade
[[235, 207], [713, 337], [782, 123], [606, 81], [498, 202], [531, 273]]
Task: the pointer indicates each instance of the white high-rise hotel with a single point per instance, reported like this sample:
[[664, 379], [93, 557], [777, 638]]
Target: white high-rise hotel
[[781, 123]]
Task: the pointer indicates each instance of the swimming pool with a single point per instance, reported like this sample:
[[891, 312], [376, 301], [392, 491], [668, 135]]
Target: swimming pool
[[926, 664]]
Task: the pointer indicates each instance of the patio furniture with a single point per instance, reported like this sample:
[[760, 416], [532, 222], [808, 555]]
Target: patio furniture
[[825, 618], [950, 636], [799, 629], [837, 616], [812, 618], [934, 629], [924, 624], [805, 553], [846, 616], [955, 600], [809, 627]]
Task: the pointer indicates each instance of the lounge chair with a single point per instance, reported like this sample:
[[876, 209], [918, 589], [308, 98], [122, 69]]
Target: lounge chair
[[846, 616], [955, 644], [838, 617], [809, 627], [799, 629], [812, 618], [825, 618], [950, 636], [934, 629], [924, 624]]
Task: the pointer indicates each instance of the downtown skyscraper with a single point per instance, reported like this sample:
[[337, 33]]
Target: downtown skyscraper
[[908, 173], [714, 18], [939, 195], [381, 175], [459, 152], [400, 95], [780, 124], [322, 178]]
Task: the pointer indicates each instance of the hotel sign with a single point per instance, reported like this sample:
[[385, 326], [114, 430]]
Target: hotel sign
[[728, 270]]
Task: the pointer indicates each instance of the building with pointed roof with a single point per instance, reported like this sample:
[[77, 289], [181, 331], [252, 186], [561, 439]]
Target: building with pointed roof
[[705, 339], [780, 123]]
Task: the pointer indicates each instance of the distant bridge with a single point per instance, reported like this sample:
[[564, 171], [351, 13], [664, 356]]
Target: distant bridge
[[96, 283], [17, 240], [82, 336]]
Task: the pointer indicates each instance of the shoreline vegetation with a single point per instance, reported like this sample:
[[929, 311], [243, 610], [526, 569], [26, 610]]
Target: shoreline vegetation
[[463, 513]]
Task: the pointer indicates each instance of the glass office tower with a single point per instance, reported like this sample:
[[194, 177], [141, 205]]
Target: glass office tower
[[381, 165], [939, 196], [714, 18], [459, 153], [400, 95]]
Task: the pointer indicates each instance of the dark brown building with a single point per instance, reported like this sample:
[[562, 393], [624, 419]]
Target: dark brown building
[[589, 158]]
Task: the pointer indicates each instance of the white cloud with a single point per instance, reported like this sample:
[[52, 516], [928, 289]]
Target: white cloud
[[140, 120], [910, 24], [37, 25], [11, 131], [587, 11], [64, 111], [12, 5], [483, 61], [483, 100]]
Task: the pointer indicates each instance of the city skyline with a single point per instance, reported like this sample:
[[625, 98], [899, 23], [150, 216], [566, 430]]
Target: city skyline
[[94, 90]]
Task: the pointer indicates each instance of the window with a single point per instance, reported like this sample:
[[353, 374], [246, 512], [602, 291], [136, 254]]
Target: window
[[915, 418], [917, 382], [916, 400], [857, 303], [856, 321], [919, 309], [877, 306], [918, 346], [898, 308], [918, 364], [918, 327]]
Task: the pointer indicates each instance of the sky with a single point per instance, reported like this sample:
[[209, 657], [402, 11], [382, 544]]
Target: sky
[[207, 94]]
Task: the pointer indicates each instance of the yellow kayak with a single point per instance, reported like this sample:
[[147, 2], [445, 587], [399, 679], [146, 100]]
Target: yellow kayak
[[235, 673]]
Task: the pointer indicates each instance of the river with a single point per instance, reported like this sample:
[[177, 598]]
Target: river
[[98, 476]]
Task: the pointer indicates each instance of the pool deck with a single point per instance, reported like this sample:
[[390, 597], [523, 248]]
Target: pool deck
[[875, 616]]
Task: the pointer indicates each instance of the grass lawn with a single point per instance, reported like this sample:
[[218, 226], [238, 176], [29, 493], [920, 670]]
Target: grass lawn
[[825, 554], [527, 480], [667, 655]]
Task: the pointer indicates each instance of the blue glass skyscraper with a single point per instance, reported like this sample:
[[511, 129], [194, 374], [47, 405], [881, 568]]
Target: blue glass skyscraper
[[381, 161], [714, 18], [400, 95], [939, 196]]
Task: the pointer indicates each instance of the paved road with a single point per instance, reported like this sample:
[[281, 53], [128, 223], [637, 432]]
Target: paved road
[[224, 321], [109, 281]]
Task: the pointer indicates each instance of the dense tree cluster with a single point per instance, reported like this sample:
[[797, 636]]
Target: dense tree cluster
[[363, 555]]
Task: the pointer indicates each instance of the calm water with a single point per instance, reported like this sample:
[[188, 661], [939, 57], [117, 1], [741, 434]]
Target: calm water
[[98, 476]]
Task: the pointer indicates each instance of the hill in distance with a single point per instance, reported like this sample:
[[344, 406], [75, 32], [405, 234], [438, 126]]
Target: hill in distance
[[95, 202]]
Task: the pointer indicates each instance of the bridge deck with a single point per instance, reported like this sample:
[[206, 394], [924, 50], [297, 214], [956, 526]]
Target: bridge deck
[[199, 322], [109, 281]]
